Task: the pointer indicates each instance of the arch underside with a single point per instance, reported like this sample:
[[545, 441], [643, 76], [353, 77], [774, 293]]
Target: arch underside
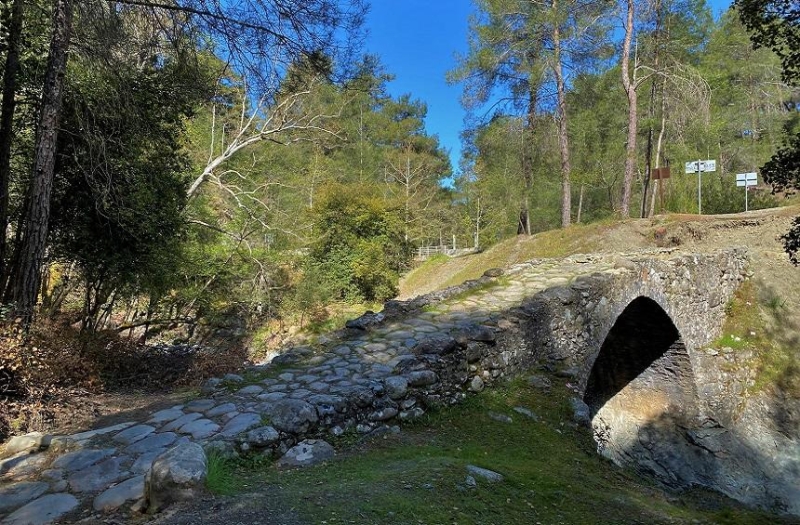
[[641, 389]]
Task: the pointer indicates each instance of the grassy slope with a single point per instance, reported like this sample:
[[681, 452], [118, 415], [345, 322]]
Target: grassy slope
[[552, 474]]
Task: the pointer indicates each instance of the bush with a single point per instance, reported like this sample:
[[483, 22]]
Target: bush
[[361, 249]]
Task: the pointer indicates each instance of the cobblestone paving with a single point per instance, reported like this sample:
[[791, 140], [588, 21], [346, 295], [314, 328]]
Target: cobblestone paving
[[104, 469]]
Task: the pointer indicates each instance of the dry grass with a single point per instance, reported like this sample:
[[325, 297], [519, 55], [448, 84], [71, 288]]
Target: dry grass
[[50, 379]]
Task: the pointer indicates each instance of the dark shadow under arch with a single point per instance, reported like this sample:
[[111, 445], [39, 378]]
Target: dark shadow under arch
[[641, 335]]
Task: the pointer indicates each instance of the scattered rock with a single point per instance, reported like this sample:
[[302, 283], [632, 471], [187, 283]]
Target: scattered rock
[[581, 413], [43, 510], [411, 414], [502, 418], [540, 382], [176, 475], [527, 413], [474, 352], [211, 385], [306, 453], [494, 272], [233, 378], [383, 414], [477, 384], [32, 442], [222, 449], [569, 373], [485, 474]]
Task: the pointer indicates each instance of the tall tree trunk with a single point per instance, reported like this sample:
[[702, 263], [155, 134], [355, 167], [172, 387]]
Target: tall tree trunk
[[14, 24], [630, 90], [652, 109], [37, 216], [563, 138], [524, 226]]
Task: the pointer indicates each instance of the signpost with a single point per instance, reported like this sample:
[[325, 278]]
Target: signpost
[[660, 174], [746, 180], [700, 166]]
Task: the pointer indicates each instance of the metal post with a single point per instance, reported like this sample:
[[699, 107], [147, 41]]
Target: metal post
[[699, 189], [746, 188]]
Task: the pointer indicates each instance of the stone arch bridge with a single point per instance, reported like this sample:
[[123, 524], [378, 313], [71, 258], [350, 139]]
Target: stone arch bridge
[[630, 332]]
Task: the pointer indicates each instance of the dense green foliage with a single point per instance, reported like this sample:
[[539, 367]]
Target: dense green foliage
[[188, 193], [775, 25], [360, 249]]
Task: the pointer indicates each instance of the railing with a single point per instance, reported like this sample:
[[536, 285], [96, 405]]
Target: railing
[[425, 252]]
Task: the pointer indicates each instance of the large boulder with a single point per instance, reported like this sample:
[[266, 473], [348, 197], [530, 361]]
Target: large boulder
[[178, 474]]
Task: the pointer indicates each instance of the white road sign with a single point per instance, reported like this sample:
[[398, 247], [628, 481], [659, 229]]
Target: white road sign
[[746, 179], [701, 166]]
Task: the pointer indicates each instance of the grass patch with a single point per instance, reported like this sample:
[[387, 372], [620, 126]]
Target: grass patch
[[758, 320], [419, 276], [552, 474], [221, 478]]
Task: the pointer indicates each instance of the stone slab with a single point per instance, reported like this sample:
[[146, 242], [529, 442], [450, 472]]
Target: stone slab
[[16, 495], [241, 423], [306, 453], [200, 405], [129, 490], [200, 429], [43, 510], [220, 410], [164, 416], [152, 442], [97, 477], [89, 434], [178, 423], [134, 434], [80, 459]]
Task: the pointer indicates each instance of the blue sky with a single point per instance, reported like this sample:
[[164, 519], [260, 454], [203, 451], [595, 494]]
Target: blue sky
[[418, 41]]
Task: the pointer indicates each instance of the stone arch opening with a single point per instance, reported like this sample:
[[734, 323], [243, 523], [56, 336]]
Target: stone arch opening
[[644, 356]]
